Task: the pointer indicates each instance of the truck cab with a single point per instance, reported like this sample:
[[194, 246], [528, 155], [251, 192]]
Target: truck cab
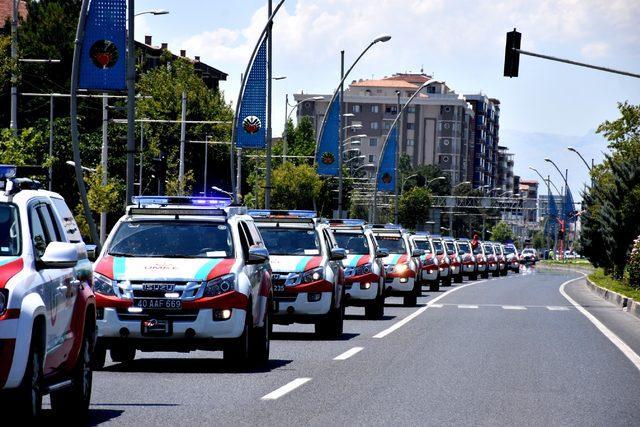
[[47, 307], [428, 261]]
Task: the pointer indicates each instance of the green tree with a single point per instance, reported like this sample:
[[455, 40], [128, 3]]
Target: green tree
[[295, 187], [501, 232], [413, 207], [538, 240]]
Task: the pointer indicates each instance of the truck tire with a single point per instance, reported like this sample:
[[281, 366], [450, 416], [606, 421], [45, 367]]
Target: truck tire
[[434, 286], [122, 353], [259, 344], [99, 356], [375, 310], [333, 325], [74, 401], [485, 274], [28, 396], [236, 353], [473, 276], [446, 281], [458, 278]]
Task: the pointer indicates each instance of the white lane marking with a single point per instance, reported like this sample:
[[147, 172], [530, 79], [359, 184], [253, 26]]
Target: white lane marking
[[622, 346], [514, 307], [467, 306], [437, 305], [421, 310], [347, 354], [557, 308], [278, 393]]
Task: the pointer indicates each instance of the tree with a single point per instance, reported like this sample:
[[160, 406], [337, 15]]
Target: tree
[[413, 207], [538, 240], [501, 232], [295, 187]]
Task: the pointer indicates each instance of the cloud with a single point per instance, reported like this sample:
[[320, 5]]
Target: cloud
[[594, 50]]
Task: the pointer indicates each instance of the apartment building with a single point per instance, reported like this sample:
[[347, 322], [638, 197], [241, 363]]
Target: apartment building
[[437, 128], [505, 178], [484, 168], [529, 192]]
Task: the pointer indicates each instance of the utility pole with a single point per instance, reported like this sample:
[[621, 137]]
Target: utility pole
[[141, 158], [267, 192], [104, 156], [206, 160], [14, 59], [284, 132], [397, 157], [131, 102], [239, 177], [341, 131], [183, 128], [50, 140]]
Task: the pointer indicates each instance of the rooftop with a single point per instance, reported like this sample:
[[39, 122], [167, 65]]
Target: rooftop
[[389, 83]]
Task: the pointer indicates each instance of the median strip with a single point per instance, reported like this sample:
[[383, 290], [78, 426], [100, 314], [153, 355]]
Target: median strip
[[278, 393]]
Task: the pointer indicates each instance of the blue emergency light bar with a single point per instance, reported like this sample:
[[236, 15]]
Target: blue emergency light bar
[[209, 202], [422, 233], [8, 171], [388, 226], [267, 213], [348, 222]]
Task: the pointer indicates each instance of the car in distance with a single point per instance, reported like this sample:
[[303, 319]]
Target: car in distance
[[308, 275], [428, 261], [468, 259], [47, 307], [184, 274]]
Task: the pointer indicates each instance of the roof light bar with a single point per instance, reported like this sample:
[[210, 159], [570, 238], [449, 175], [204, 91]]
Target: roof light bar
[[266, 213], [209, 202], [348, 222], [388, 226], [8, 171]]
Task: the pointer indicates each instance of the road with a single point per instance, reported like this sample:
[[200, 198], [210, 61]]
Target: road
[[508, 350]]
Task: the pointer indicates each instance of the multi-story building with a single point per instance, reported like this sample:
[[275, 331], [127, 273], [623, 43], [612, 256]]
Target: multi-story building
[[543, 204], [484, 168], [505, 170], [529, 192], [436, 129]]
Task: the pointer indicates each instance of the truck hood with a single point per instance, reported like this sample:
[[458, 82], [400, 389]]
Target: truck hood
[[294, 263]]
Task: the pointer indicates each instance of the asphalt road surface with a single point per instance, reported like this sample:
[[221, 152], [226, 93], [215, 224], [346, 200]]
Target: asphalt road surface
[[509, 350]]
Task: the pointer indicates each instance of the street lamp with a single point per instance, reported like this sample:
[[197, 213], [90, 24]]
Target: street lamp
[[404, 181], [84, 168], [228, 193], [582, 158], [438, 178], [153, 12]]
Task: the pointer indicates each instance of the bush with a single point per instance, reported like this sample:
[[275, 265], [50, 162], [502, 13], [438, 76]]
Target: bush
[[633, 265]]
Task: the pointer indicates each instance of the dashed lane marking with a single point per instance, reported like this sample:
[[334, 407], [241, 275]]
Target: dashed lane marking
[[467, 306], [421, 310], [347, 354], [287, 388], [514, 307], [557, 308]]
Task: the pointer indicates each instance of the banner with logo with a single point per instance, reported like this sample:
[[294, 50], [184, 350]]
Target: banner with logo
[[252, 111], [385, 179], [568, 213], [328, 146], [103, 57]]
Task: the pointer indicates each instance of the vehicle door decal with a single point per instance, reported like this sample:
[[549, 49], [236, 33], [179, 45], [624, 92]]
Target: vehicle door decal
[[119, 268], [221, 267], [307, 263], [9, 268], [359, 260], [105, 266]]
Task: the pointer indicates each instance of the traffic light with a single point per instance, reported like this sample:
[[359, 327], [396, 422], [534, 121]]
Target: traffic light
[[511, 56]]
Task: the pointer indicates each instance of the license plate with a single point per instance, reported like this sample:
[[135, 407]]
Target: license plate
[[158, 287], [158, 304], [278, 288]]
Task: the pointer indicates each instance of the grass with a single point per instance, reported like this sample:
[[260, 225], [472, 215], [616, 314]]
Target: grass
[[599, 278], [580, 262]]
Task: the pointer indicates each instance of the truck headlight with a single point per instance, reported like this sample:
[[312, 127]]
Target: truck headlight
[[220, 285], [103, 285], [4, 300], [400, 268], [313, 275]]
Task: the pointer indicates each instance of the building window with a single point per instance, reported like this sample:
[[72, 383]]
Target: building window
[[411, 126], [391, 109], [411, 142], [355, 108], [447, 109], [370, 158], [378, 90], [411, 109], [375, 108], [374, 125], [446, 142], [447, 125], [386, 125], [373, 142]]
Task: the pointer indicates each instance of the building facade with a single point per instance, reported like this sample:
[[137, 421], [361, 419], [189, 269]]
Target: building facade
[[484, 168], [505, 178], [437, 128]]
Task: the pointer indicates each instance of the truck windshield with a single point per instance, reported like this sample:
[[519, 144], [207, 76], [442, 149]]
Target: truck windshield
[[488, 249], [9, 230], [395, 245], [451, 246], [437, 245], [509, 250], [290, 241], [172, 239], [425, 245], [464, 248], [353, 243]]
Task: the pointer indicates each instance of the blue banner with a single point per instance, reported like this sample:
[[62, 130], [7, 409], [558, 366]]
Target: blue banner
[[103, 58], [252, 111], [385, 181], [328, 151], [568, 214], [552, 216]]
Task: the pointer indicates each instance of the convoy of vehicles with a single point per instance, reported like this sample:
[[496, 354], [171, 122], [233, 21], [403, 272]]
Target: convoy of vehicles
[[47, 307], [191, 273]]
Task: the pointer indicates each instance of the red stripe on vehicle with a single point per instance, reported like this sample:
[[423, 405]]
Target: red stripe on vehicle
[[103, 301], [313, 263], [319, 286], [369, 277], [105, 266], [7, 347], [363, 260], [11, 313], [8, 270], [232, 299], [403, 258], [222, 268]]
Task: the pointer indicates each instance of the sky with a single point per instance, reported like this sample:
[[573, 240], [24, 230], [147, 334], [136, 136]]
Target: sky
[[462, 42]]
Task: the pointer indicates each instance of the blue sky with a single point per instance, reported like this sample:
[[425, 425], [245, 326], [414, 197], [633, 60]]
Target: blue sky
[[461, 42]]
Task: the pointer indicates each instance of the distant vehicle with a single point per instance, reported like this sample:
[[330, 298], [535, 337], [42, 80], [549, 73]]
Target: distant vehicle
[[184, 274], [482, 260], [308, 274], [513, 259], [455, 262], [363, 267], [492, 259], [428, 261], [529, 256], [402, 264], [502, 259], [444, 263], [47, 307], [468, 259]]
